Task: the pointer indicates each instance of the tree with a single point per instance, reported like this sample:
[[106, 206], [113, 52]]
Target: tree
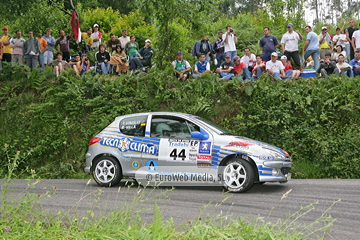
[[165, 12]]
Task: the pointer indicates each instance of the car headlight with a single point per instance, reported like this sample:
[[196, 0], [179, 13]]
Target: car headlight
[[275, 154]]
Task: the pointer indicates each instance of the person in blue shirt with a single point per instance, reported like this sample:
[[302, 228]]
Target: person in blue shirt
[[355, 64], [202, 66], [268, 44], [311, 47]]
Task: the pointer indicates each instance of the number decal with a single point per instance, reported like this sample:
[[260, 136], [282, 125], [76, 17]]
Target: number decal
[[181, 155], [173, 154]]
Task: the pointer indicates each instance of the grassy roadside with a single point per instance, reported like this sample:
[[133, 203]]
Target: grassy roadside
[[25, 218]]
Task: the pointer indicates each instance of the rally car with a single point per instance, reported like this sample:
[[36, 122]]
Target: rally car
[[170, 145]]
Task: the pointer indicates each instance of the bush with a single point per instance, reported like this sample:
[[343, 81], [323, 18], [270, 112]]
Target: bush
[[315, 120]]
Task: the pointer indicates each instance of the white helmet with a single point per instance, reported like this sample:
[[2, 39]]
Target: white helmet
[[161, 127]]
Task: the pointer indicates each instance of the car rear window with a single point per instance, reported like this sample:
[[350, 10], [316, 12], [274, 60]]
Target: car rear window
[[133, 126]]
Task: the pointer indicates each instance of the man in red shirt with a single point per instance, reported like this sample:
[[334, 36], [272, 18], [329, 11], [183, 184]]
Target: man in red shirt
[[240, 68]]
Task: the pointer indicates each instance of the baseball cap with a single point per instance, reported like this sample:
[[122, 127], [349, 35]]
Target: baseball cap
[[324, 28], [96, 25], [84, 54], [274, 54], [337, 29], [283, 57], [5, 27], [237, 58], [290, 25], [148, 40], [179, 52], [227, 56]]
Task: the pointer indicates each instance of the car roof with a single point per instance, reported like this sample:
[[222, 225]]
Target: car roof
[[178, 114]]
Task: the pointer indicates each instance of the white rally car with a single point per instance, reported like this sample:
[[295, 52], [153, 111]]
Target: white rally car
[[172, 147]]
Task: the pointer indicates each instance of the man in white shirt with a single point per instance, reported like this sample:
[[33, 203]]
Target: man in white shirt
[[96, 36], [275, 67], [124, 39], [355, 42], [290, 44], [339, 38], [229, 42], [249, 59], [343, 68]]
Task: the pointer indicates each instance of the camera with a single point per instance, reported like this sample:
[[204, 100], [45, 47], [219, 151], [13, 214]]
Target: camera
[[231, 30], [86, 59]]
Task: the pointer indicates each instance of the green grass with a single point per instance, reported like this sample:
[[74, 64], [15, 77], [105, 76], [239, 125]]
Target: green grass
[[24, 218]]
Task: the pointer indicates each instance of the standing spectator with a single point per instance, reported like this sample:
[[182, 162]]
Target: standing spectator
[[325, 42], [343, 68], [290, 44], [356, 41], [327, 66], [103, 58], [230, 40], [268, 44], [88, 41], [1, 53], [226, 69], [219, 49], [48, 54], [181, 67], [311, 47], [259, 67], [17, 44], [275, 68], [112, 43], [43, 47], [132, 49], [249, 59], [202, 66], [124, 39], [7, 50], [355, 64], [96, 36], [349, 33], [203, 46], [64, 42], [31, 51], [144, 58], [339, 38]]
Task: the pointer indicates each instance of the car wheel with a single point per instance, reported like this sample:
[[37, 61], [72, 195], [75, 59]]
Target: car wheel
[[107, 171], [238, 175]]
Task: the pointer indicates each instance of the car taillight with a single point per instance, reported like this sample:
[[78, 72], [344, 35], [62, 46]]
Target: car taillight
[[94, 140]]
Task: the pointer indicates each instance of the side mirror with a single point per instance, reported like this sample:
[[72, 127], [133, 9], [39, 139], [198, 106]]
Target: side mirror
[[202, 135]]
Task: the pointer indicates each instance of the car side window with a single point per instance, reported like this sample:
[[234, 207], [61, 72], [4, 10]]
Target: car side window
[[133, 126], [171, 127]]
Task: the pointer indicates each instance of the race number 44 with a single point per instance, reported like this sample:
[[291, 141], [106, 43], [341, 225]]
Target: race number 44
[[175, 154]]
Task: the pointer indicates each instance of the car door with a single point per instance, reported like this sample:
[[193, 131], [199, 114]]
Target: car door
[[176, 148], [132, 144]]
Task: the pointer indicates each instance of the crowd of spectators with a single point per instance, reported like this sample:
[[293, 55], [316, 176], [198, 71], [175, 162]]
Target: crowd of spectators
[[326, 54]]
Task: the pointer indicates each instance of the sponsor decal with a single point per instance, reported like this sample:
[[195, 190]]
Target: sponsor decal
[[135, 164], [205, 157], [266, 157], [239, 144], [204, 164], [152, 166], [205, 147], [178, 144], [126, 144], [192, 157]]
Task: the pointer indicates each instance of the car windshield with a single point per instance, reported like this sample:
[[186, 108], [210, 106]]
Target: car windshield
[[217, 128]]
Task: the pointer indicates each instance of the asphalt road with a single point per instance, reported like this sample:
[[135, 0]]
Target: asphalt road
[[268, 202]]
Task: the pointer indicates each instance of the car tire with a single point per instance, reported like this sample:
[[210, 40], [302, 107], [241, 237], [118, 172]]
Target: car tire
[[238, 175], [107, 171]]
